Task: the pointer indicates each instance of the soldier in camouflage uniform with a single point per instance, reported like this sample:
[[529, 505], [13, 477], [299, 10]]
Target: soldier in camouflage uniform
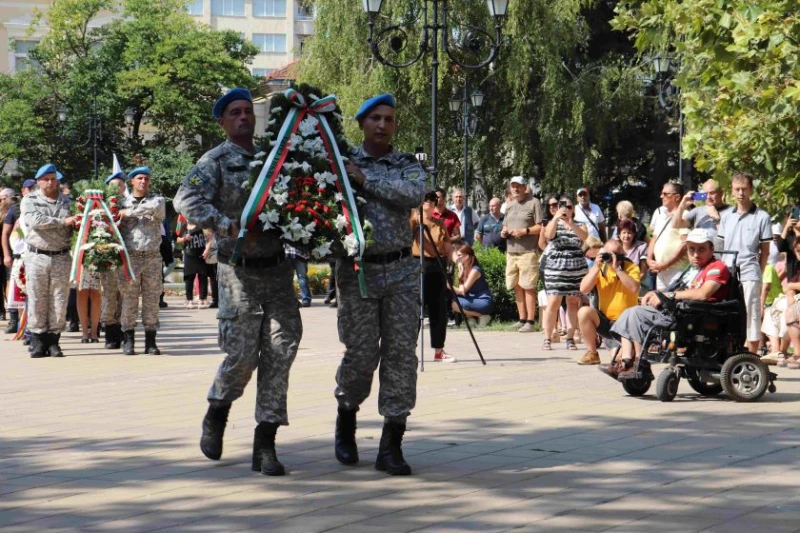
[[141, 216], [109, 284], [259, 317], [47, 215], [382, 328]]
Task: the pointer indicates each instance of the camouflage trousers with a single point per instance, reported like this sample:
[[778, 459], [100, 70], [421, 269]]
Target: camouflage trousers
[[378, 330], [148, 284], [47, 286], [259, 327], [112, 300]]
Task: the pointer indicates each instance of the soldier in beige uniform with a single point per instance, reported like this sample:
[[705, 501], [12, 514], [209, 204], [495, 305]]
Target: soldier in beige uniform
[[141, 217], [47, 215]]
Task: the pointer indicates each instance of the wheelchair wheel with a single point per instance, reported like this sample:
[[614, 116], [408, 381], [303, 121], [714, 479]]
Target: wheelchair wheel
[[637, 387], [667, 385], [744, 377], [703, 388]]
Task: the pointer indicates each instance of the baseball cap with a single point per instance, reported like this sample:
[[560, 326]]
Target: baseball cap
[[699, 236], [582, 190], [519, 180]]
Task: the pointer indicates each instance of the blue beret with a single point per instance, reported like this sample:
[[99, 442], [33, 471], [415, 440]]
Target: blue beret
[[49, 168], [117, 175], [238, 93], [375, 101], [59, 176], [28, 183], [136, 171]]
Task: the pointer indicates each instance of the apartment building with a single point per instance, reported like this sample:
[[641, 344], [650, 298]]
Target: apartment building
[[277, 27]]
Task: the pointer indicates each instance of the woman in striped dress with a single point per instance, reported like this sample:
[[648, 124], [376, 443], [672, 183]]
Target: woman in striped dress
[[564, 269]]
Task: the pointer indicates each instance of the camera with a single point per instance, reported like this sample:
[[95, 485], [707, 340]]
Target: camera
[[605, 257], [699, 196], [562, 203]]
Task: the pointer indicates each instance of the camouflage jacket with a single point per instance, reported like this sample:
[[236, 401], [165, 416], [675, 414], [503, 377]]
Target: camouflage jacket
[[142, 222], [395, 184], [44, 220], [213, 196]]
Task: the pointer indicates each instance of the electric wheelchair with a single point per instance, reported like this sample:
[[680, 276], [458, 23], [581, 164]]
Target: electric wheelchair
[[704, 345]]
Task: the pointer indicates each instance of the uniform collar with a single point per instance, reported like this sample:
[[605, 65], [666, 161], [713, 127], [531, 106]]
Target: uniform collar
[[238, 149], [392, 155]]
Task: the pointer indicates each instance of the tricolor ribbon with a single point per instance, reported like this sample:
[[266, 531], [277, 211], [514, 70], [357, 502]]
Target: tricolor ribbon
[[274, 162], [95, 199], [23, 323]]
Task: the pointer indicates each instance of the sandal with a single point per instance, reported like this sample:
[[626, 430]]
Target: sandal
[[546, 345], [793, 362], [571, 344]]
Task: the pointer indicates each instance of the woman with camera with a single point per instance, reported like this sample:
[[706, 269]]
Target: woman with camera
[[473, 291], [435, 253], [564, 269], [193, 240]]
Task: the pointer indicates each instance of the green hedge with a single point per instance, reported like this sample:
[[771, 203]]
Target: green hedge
[[493, 262]]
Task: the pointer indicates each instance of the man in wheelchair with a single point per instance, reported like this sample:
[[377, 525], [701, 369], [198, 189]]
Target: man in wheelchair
[[707, 279]]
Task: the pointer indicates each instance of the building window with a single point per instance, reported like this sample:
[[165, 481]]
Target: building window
[[195, 7], [269, 8], [227, 8], [21, 50], [261, 72], [304, 12], [270, 42]]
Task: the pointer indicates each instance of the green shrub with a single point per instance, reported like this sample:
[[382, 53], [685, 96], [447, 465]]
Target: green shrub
[[493, 262], [318, 275]]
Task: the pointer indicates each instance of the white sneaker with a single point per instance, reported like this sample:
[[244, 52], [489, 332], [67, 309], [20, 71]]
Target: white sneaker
[[484, 320], [526, 328]]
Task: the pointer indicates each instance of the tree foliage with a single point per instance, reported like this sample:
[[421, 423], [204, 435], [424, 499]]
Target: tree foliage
[[562, 102], [152, 57], [740, 82]]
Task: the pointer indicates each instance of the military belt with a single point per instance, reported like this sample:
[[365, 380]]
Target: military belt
[[48, 252], [252, 262], [389, 257]]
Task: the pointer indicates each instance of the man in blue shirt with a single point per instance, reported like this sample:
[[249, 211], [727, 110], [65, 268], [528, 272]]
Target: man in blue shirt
[[490, 226]]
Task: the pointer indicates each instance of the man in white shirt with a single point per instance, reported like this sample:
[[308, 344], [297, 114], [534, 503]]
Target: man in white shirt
[[469, 220], [590, 215], [747, 229], [666, 253]]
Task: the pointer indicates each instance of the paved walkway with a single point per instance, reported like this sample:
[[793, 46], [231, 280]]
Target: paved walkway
[[530, 442]]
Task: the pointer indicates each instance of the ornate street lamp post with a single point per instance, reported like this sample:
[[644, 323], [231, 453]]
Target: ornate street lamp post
[[466, 123], [95, 128], [472, 42], [668, 97]]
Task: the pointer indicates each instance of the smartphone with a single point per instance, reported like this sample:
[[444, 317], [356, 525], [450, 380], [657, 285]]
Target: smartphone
[[699, 196], [795, 214], [562, 203]]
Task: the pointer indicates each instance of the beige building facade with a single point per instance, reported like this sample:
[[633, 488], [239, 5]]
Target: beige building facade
[[277, 27]]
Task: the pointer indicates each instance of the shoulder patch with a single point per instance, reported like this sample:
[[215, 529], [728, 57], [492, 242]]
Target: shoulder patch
[[714, 272], [194, 180]]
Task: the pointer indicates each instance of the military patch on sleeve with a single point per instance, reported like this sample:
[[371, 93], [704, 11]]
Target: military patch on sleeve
[[194, 180], [412, 175]]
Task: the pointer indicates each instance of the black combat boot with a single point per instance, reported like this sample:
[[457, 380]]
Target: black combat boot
[[345, 440], [150, 347], [37, 346], [113, 336], [213, 430], [127, 342], [53, 347], [13, 323], [264, 457], [390, 454]]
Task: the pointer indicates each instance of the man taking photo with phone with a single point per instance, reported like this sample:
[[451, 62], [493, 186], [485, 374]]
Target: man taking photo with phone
[[705, 216]]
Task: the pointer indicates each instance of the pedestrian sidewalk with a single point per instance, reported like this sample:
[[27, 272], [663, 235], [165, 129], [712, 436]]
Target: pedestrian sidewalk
[[530, 442]]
